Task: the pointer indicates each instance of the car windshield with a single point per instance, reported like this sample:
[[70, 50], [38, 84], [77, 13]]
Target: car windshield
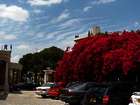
[[48, 85], [98, 90], [73, 85], [136, 93], [79, 86]]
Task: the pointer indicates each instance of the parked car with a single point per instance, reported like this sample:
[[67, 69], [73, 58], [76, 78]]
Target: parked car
[[135, 99], [13, 88], [117, 93], [29, 86], [43, 89], [73, 94], [23, 86], [55, 91], [75, 83]]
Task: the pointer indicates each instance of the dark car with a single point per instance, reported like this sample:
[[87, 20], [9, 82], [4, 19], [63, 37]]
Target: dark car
[[109, 94], [75, 92], [75, 83], [26, 86], [13, 88]]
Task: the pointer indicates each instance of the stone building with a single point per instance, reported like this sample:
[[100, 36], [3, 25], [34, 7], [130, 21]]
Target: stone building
[[14, 73], [6, 68], [93, 31], [5, 56]]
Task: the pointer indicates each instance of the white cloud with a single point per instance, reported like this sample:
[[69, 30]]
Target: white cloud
[[66, 43], [15, 58], [4, 36], [23, 47], [37, 11], [70, 23], [102, 1], [70, 34], [64, 15], [87, 8], [13, 12], [136, 24], [40, 35], [44, 2]]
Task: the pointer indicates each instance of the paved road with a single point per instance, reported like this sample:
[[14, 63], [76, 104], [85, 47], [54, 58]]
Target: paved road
[[28, 98]]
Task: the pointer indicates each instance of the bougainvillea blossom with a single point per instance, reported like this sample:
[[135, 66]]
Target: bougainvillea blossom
[[94, 57]]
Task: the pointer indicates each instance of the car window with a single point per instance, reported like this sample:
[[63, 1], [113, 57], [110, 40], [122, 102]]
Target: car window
[[73, 85], [79, 87], [48, 85], [83, 86], [97, 90], [89, 85]]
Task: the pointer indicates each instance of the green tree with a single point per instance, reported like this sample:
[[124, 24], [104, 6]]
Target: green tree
[[37, 62]]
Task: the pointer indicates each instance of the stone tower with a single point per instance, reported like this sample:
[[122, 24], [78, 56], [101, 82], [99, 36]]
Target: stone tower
[[95, 30]]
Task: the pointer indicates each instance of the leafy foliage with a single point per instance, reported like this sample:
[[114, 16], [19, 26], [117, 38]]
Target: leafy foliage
[[39, 61], [94, 58]]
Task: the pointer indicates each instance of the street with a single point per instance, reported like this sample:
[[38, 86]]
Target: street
[[28, 98]]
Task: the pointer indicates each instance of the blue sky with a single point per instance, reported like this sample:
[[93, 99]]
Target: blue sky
[[31, 25]]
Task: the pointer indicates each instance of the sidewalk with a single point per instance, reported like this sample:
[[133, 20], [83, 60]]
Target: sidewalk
[[28, 98]]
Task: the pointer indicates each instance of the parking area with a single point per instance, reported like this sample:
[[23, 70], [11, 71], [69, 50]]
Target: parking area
[[28, 98]]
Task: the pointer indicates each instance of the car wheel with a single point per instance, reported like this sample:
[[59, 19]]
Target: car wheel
[[44, 96], [66, 104], [57, 98]]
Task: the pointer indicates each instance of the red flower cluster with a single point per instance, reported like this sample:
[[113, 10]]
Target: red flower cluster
[[92, 58]]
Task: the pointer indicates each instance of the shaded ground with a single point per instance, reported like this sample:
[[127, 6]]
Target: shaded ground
[[28, 98]]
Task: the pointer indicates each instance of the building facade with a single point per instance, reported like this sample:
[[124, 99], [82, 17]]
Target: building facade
[[14, 73], [5, 56], [94, 31], [6, 68]]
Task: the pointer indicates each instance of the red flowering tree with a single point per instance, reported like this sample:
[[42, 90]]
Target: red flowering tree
[[96, 58]]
